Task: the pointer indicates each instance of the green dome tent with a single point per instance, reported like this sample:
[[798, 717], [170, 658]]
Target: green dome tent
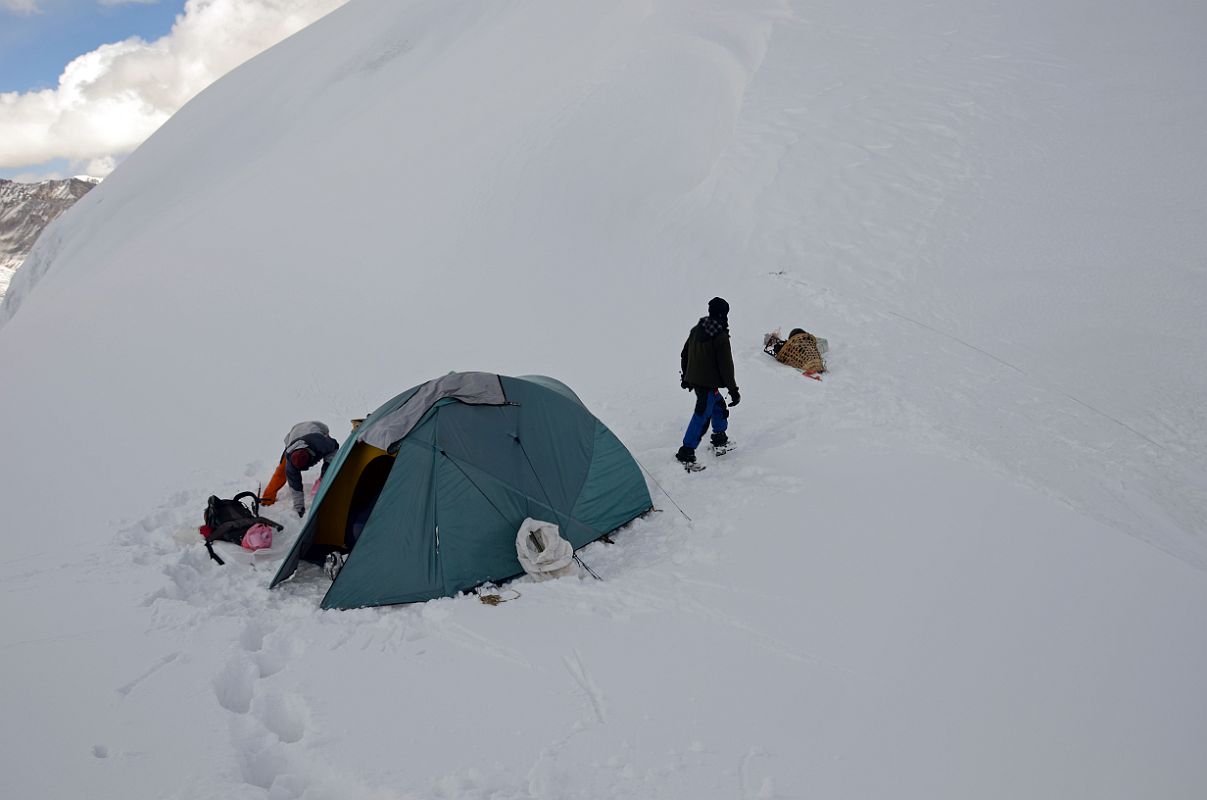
[[428, 494]]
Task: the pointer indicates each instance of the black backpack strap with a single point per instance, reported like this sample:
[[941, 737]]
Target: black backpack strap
[[209, 545], [255, 500]]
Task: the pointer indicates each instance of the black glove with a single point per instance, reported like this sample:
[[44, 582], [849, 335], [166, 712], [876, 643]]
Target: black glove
[[683, 384], [734, 398]]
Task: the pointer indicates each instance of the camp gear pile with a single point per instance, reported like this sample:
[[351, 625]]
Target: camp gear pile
[[231, 520]]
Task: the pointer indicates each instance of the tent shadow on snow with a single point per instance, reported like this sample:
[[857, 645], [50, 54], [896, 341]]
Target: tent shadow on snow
[[428, 494]]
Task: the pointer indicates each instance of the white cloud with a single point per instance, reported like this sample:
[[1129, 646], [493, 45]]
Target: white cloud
[[20, 6], [98, 167], [37, 177], [110, 100]]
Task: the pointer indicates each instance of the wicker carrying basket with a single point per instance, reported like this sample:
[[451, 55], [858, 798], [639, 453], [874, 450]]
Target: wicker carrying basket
[[801, 352]]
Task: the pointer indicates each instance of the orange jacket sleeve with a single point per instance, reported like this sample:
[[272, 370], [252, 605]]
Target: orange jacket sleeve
[[275, 483]]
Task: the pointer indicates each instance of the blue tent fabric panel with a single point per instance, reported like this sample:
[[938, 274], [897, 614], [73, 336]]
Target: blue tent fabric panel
[[514, 506], [485, 436], [290, 563], [396, 559], [615, 491], [558, 436], [479, 519], [543, 381]]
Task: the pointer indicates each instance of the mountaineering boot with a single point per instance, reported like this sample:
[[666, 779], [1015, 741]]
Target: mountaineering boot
[[334, 564], [720, 444], [687, 457]]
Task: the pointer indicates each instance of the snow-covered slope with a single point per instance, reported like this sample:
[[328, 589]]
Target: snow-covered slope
[[967, 563]]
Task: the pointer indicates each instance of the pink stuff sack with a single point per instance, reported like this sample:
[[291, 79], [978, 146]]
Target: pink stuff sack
[[258, 537]]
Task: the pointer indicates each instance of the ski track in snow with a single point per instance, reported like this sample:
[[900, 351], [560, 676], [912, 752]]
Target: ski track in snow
[[163, 662], [574, 665]]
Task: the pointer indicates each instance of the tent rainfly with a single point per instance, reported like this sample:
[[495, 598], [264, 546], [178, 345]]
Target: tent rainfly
[[427, 495]]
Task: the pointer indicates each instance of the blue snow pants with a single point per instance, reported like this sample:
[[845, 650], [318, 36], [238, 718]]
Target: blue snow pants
[[710, 408]]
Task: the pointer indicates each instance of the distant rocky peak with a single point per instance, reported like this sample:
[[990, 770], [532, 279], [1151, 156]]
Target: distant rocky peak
[[26, 209]]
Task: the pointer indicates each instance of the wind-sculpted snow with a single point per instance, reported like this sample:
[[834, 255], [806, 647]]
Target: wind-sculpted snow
[[967, 563]]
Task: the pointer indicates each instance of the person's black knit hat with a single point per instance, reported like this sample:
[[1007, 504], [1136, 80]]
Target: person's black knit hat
[[718, 308]]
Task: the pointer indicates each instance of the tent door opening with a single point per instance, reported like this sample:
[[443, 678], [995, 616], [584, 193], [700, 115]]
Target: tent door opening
[[364, 497]]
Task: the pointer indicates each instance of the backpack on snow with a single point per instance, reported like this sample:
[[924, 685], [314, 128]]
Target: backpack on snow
[[229, 520]]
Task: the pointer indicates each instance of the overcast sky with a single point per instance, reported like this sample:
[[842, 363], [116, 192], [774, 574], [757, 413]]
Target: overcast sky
[[84, 82]]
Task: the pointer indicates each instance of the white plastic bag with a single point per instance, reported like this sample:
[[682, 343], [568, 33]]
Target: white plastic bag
[[542, 551]]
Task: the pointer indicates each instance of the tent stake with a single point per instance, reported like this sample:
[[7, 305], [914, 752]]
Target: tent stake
[[583, 564]]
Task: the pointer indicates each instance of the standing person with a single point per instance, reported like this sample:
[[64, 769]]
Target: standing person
[[706, 365], [306, 444]]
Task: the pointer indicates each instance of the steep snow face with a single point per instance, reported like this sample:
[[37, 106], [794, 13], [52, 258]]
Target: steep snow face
[[965, 564], [446, 186], [25, 210]]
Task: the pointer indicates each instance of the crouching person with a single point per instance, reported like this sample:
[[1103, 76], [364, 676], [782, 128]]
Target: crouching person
[[306, 444]]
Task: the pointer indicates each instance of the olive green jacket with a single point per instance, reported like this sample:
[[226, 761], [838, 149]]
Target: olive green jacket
[[707, 360]]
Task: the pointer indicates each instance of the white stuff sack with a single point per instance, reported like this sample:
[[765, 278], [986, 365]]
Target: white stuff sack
[[542, 551]]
